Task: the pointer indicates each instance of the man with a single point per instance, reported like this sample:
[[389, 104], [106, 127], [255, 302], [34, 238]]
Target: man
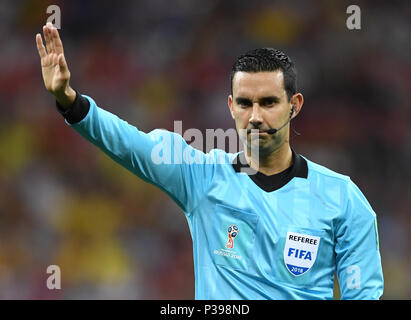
[[266, 223]]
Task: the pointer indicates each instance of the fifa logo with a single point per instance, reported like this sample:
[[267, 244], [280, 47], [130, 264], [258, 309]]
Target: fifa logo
[[232, 233]]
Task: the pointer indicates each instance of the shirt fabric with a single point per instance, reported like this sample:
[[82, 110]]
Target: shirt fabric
[[254, 236]]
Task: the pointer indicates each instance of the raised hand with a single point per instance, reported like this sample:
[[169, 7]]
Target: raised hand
[[56, 74]]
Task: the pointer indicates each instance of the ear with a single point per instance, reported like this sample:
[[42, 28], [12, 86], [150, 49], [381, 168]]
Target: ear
[[297, 102], [230, 105]]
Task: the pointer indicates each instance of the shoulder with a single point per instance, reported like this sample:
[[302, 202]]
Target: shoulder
[[327, 184], [337, 185], [320, 172]]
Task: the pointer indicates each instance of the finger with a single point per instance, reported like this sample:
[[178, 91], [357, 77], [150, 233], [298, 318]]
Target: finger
[[40, 46], [47, 38], [57, 44], [50, 28], [54, 59], [62, 63]]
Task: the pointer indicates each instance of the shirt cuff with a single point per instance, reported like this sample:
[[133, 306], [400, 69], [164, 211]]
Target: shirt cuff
[[77, 111]]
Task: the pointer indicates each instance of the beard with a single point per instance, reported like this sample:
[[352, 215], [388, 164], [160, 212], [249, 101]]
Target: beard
[[261, 146]]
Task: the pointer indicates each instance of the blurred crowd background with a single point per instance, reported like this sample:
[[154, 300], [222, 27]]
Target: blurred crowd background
[[65, 203]]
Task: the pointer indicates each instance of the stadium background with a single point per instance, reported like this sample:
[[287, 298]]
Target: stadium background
[[64, 202]]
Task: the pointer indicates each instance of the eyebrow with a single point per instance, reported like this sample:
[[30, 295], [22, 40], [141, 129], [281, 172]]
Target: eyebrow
[[261, 101]]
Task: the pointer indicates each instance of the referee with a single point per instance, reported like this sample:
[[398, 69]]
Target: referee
[[266, 223]]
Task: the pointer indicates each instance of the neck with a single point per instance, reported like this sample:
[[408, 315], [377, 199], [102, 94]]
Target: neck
[[273, 163]]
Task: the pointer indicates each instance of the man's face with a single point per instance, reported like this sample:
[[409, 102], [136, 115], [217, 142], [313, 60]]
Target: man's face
[[259, 101]]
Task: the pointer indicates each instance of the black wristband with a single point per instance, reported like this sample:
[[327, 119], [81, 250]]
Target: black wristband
[[77, 111]]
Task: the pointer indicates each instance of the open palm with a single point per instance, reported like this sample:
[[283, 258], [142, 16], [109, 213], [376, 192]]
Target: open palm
[[56, 74]]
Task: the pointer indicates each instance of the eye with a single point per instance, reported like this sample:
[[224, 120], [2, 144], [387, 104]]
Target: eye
[[244, 103], [267, 103]]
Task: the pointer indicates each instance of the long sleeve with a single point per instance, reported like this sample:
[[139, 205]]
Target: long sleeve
[[160, 157], [358, 259]]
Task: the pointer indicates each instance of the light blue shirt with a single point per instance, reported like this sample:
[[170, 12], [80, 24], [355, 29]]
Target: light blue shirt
[[249, 243]]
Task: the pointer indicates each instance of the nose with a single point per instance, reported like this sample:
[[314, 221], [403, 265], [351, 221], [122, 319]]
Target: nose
[[256, 117]]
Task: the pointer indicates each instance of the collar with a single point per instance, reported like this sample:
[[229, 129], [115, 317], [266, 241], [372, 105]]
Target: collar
[[273, 182]]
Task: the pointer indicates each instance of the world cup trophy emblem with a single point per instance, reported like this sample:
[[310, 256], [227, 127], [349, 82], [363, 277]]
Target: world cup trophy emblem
[[232, 233]]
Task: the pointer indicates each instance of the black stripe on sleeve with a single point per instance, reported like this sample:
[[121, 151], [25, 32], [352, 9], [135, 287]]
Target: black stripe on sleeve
[[77, 111]]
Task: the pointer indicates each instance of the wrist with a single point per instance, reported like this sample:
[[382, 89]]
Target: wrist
[[66, 98]]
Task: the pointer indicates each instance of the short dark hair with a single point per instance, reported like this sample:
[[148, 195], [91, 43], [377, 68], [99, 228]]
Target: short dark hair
[[267, 59]]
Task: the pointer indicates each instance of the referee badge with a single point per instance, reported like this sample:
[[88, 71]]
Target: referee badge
[[300, 252]]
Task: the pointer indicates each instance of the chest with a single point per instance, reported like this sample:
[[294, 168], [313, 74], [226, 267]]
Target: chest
[[279, 235]]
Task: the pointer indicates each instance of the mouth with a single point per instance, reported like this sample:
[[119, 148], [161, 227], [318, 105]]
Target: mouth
[[257, 133], [257, 136]]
